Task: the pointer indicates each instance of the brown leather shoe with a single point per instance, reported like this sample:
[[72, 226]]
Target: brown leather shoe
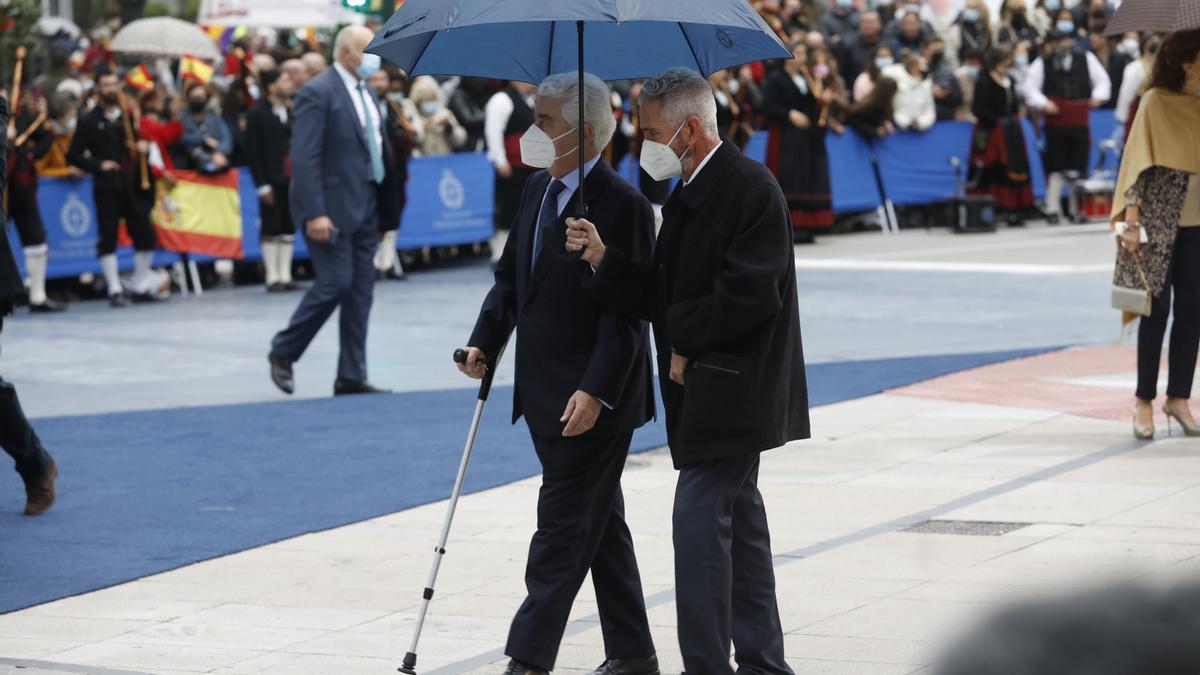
[[40, 492]]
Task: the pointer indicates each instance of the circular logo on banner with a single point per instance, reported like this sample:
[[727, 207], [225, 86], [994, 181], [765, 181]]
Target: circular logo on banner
[[724, 39], [75, 217], [451, 190]]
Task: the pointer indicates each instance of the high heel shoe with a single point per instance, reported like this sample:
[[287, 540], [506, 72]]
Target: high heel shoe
[[1193, 430], [1142, 433]]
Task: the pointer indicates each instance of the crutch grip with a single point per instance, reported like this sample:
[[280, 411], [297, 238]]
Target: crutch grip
[[485, 385]]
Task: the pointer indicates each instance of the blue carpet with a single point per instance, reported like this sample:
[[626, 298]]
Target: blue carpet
[[145, 492]]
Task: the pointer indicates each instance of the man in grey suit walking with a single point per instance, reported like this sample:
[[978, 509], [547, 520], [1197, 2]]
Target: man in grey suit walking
[[341, 190]]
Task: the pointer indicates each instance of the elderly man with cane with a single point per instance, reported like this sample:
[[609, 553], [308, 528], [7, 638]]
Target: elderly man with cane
[[721, 293], [583, 382]]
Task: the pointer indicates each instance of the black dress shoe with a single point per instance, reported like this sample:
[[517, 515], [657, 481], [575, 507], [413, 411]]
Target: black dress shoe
[[281, 374], [40, 493], [348, 387], [515, 667], [1079, 219], [275, 288], [118, 300], [47, 307], [288, 286], [647, 665], [1052, 219]]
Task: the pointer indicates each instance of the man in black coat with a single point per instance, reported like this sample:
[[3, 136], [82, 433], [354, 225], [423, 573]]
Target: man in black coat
[[721, 293], [583, 384], [34, 464], [267, 148]]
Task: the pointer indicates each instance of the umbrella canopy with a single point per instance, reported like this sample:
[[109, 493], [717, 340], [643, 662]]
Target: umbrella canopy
[[166, 37], [1155, 16], [528, 40], [52, 25]]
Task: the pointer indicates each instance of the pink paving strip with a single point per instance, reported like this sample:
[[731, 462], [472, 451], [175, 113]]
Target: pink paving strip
[[1036, 382]]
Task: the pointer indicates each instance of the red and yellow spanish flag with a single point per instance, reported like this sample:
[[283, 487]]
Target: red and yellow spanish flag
[[201, 214], [139, 78], [192, 68]]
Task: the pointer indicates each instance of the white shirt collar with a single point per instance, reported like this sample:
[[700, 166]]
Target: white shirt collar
[[704, 161], [347, 77], [571, 180]]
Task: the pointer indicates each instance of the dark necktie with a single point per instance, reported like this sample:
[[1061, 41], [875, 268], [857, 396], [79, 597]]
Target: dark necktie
[[546, 217]]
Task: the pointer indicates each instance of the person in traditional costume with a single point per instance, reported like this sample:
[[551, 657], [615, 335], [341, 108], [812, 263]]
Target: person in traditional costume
[[999, 161]]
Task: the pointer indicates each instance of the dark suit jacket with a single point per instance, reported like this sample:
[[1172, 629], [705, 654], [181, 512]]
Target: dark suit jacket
[[331, 164], [722, 292], [12, 286], [97, 139], [567, 339], [268, 142]]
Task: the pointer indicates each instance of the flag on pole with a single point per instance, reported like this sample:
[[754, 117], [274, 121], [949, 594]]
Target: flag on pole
[[192, 68], [139, 78]]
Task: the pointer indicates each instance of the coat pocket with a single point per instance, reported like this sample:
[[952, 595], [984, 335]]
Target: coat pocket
[[718, 398]]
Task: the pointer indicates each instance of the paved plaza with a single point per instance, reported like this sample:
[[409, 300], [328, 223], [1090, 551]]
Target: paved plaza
[[882, 523]]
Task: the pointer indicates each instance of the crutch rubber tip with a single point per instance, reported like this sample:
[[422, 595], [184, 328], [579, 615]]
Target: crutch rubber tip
[[460, 356], [410, 664]]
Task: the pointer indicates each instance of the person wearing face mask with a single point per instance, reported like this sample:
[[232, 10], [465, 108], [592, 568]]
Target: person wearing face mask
[[405, 132], [1115, 54], [947, 96], [206, 142], [1045, 12], [341, 190], [583, 381], [1017, 25], [968, 75], [507, 114], [1158, 198], [999, 163], [1065, 86], [102, 148], [160, 125], [721, 293], [857, 54], [1133, 81], [971, 32], [268, 148], [443, 134], [881, 58], [796, 146], [913, 105]]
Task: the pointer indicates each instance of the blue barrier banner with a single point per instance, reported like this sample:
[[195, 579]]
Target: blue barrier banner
[[916, 167], [1105, 128], [850, 175], [451, 200], [69, 214], [756, 147], [1037, 174]]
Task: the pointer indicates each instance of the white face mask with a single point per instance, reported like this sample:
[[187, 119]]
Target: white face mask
[[660, 161], [537, 148]]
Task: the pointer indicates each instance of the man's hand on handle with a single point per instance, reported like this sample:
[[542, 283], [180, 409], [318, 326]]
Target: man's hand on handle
[[476, 365], [320, 228], [582, 236], [580, 416]]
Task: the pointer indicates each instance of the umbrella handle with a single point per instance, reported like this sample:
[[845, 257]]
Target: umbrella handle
[[550, 240]]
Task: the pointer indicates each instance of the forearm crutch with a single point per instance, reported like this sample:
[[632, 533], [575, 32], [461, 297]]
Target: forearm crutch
[[460, 356]]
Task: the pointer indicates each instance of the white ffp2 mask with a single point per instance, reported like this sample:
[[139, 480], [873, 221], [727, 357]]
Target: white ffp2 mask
[[537, 148], [660, 161]]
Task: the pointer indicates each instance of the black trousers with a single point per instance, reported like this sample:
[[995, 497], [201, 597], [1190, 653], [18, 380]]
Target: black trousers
[[276, 217], [1068, 149], [18, 438], [581, 527], [132, 205], [724, 574], [23, 209], [1184, 279]]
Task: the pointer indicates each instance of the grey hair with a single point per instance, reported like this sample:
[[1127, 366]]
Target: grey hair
[[342, 41], [597, 103], [682, 94]]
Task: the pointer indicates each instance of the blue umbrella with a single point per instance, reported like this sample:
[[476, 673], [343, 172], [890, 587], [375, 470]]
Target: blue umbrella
[[529, 40]]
